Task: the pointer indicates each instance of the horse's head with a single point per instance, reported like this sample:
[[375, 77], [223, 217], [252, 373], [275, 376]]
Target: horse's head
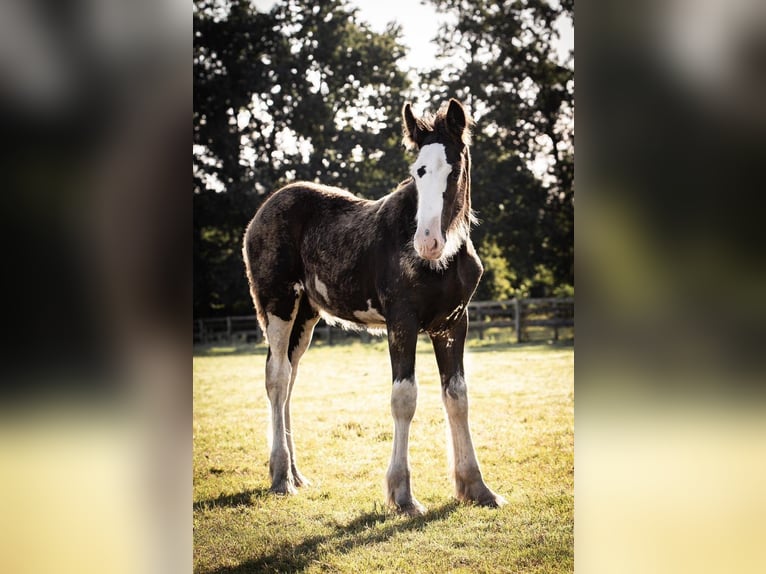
[[442, 177]]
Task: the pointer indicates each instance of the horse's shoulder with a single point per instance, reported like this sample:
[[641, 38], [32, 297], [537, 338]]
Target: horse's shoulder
[[469, 265]]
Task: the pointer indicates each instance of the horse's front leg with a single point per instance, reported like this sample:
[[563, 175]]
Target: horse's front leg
[[402, 340], [469, 484]]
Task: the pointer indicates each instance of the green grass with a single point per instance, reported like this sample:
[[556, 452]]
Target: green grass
[[522, 422]]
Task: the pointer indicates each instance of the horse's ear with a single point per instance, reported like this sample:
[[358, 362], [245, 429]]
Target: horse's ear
[[410, 128], [458, 121]]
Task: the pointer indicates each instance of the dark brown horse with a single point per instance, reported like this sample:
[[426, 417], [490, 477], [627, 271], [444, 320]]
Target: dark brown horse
[[404, 263]]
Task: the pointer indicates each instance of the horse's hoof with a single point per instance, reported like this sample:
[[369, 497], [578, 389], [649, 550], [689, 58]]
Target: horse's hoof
[[492, 500], [478, 493], [283, 488], [413, 508]]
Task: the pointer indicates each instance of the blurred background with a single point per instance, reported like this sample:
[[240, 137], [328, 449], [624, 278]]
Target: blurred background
[[95, 402], [670, 429]]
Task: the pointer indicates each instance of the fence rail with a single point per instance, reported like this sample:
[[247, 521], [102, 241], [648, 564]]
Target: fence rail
[[524, 316]]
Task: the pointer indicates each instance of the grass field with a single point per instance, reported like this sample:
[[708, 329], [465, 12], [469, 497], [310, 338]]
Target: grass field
[[522, 421]]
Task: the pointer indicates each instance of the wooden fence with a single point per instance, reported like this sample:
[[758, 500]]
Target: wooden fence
[[527, 317]]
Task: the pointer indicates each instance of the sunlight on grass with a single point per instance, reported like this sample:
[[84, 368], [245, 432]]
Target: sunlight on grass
[[522, 420]]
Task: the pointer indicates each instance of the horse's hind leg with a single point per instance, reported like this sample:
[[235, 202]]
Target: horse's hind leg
[[280, 314], [300, 339]]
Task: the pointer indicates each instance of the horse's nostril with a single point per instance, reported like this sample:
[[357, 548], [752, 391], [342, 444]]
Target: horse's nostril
[[436, 244]]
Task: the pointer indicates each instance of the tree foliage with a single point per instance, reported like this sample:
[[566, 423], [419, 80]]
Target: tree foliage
[[501, 59]]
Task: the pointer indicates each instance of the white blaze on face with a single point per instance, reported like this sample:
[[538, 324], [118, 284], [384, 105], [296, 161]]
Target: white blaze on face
[[430, 172]]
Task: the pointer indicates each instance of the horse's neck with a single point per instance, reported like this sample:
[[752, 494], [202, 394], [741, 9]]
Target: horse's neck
[[464, 216], [405, 199]]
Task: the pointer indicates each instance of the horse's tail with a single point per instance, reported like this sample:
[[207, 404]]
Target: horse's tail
[[249, 255]]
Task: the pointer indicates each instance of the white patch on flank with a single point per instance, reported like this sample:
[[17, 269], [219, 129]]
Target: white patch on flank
[[370, 316], [321, 289], [431, 185]]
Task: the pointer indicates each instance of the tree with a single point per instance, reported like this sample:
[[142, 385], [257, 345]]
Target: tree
[[500, 58], [304, 91]]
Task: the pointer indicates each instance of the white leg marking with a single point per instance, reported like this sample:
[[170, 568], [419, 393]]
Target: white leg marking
[[404, 398], [463, 460], [303, 344], [469, 484], [278, 375]]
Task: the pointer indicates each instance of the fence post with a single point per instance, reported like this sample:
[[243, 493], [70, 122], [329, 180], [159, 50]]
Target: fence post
[[201, 330], [517, 318], [228, 329]]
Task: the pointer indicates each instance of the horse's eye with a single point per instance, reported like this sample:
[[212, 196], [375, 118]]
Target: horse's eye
[[421, 171]]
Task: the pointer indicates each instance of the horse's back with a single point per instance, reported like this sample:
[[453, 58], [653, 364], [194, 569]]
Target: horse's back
[[294, 207], [274, 244]]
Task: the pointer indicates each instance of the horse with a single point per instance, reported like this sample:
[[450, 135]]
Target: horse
[[404, 263]]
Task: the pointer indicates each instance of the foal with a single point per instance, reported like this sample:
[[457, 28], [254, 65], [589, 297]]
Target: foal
[[404, 263]]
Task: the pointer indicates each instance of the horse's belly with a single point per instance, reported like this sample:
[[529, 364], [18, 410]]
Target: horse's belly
[[343, 306]]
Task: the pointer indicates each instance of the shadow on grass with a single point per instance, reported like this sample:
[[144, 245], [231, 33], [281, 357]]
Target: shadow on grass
[[473, 345], [361, 531], [231, 500], [225, 350], [477, 346]]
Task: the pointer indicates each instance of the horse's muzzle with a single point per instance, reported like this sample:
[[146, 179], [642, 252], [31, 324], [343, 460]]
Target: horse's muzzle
[[429, 246]]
